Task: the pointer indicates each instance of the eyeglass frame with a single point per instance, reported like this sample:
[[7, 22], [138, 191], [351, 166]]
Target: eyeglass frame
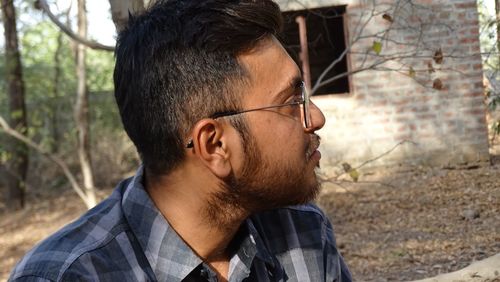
[[304, 102]]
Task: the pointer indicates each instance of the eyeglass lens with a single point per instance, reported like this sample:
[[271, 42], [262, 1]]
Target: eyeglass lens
[[306, 111]]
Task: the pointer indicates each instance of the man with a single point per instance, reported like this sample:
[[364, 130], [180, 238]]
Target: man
[[226, 132]]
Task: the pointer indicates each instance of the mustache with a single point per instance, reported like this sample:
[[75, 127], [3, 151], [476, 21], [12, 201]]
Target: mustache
[[314, 143]]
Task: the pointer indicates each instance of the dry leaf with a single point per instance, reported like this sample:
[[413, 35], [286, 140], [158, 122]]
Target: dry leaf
[[437, 84], [354, 174], [387, 17], [411, 72], [438, 56], [377, 47], [347, 167]]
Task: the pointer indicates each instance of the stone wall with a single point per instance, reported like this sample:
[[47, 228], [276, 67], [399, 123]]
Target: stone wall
[[436, 104]]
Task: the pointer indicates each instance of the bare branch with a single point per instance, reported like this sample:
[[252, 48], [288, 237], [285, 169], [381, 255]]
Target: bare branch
[[386, 153], [42, 4], [74, 184], [335, 178]]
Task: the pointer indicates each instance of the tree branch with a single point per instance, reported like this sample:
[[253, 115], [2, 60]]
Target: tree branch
[[335, 179], [74, 184], [42, 5]]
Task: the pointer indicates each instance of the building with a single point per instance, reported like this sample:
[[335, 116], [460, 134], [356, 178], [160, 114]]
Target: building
[[416, 79]]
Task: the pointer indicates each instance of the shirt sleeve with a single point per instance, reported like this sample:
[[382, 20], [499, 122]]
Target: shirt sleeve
[[345, 274]]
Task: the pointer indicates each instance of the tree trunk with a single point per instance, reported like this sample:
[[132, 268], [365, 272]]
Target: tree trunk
[[82, 110], [18, 162], [497, 17], [55, 103], [120, 10]]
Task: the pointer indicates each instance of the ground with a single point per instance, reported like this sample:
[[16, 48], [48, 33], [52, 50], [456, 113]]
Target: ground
[[427, 222], [420, 222]]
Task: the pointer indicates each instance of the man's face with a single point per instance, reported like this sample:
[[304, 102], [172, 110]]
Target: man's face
[[279, 154]]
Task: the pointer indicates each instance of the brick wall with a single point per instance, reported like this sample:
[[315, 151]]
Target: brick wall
[[396, 101]]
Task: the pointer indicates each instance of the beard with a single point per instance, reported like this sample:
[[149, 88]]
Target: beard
[[262, 185]]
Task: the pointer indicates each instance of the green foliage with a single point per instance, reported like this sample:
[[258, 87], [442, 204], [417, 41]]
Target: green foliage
[[494, 101], [490, 50], [50, 105], [100, 66], [488, 36], [495, 127], [377, 47]]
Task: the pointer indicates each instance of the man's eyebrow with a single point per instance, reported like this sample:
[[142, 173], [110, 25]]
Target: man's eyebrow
[[292, 85]]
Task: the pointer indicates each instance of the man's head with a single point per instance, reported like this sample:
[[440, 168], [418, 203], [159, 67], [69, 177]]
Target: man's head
[[212, 74], [178, 63], [280, 149]]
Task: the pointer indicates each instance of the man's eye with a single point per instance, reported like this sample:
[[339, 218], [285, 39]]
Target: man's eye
[[296, 99]]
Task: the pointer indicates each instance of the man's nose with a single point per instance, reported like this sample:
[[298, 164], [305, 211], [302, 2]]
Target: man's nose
[[317, 118]]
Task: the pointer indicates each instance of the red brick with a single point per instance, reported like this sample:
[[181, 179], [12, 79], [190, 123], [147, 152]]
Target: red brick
[[471, 22], [475, 48], [420, 109], [426, 116], [411, 38], [477, 66], [423, 99], [463, 86], [380, 104], [444, 15], [468, 40], [474, 31], [402, 102], [426, 136], [466, 5], [401, 109], [481, 129], [463, 67], [473, 94], [476, 112], [401, 137], [449, 114], [451, 123]]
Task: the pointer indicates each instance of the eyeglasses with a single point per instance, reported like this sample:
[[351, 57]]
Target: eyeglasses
[[303, 102]]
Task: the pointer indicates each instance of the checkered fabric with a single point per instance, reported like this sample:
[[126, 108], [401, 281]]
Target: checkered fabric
[[125, 238]]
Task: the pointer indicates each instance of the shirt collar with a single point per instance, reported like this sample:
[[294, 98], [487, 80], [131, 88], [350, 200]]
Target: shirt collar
[[261, 249], [169, 256]]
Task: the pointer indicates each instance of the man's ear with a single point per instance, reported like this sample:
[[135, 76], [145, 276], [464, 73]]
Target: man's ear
[[210, 146]]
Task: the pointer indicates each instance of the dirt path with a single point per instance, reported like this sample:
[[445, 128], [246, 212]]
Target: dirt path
[[432, 221]]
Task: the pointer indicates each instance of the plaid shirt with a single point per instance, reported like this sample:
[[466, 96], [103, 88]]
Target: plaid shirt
[[125, 238]]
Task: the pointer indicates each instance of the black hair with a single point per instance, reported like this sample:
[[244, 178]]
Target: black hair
[[177, 63]]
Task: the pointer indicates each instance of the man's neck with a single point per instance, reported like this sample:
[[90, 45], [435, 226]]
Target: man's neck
[[187, 203]]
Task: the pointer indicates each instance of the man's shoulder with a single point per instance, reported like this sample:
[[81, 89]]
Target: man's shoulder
[[309, 214], [90, 233], [294, 227], [307, 210]]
